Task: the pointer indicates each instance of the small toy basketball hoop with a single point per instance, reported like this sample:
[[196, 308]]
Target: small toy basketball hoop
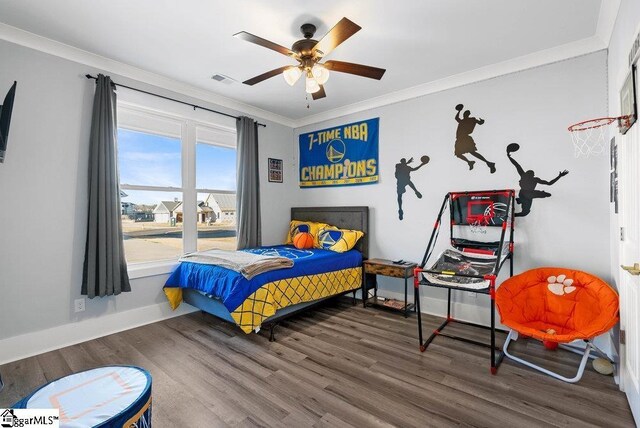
[[590, 136], [481, 213]]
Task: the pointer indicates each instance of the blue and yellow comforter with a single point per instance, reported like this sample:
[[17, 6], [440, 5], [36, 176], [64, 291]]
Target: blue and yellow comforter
[[315, 274]]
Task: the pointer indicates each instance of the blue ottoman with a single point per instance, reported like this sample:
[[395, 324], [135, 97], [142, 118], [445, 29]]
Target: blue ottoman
[[113, 396]]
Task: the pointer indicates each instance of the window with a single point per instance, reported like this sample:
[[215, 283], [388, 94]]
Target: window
[[216, 184], [178, 185]]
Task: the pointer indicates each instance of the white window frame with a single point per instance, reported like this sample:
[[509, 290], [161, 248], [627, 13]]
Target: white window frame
[[223, 136]]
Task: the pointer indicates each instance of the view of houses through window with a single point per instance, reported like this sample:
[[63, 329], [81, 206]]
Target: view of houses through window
[[157, 188], [216, 184], [148, 233]]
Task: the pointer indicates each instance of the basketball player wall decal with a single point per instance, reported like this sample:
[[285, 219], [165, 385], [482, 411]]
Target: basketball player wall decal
[[528, 182], [464, 141], [403, 178]]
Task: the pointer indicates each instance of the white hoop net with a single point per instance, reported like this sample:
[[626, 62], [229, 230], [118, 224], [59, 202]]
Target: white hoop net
[[590, 137], [478, 226]]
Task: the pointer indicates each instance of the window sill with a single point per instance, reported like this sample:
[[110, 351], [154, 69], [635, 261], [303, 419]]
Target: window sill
[[143, 270]]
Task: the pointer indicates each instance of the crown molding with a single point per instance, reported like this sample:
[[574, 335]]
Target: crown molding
[[522, 63], [607, 19], [52, 47], [599, 41]]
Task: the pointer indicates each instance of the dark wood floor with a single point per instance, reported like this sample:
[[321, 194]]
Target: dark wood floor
[[340, 365]]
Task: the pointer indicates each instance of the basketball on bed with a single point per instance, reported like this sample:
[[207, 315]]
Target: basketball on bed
[[303, 240]]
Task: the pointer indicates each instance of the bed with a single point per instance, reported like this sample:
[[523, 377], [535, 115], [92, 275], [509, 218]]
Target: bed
[[268, 298]]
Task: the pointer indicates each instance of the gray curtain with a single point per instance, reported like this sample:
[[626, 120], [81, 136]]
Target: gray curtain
[[248, 198], [105, 268]]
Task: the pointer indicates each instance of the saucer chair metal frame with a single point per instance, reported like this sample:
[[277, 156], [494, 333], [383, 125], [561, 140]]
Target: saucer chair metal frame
[[586, 354], [506, 223]]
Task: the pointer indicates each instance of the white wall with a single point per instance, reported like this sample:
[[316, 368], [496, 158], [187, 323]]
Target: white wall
[[533, 108], [44, 179]]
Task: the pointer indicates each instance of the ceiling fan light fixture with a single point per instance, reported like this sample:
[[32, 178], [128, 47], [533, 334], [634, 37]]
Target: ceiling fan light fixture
[[320, 73], [311, 85], [310, 55], [291, 75]]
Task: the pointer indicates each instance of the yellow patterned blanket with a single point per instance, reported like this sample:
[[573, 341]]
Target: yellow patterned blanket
[[265, 301]]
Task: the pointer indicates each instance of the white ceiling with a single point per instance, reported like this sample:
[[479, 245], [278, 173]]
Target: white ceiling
[[417, 41]]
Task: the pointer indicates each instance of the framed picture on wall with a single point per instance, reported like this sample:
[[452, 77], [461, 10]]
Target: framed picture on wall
[[275, 170], [613, 176], [614, 156], [611, 186], [615, 196], [628, 104]]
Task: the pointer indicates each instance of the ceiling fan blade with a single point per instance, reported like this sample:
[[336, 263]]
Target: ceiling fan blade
[[319, 94], [338, 34], [264, 43], [265, 76], [357, 69]]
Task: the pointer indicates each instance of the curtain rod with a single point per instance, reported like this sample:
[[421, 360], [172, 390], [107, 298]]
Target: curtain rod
[[88, 76]]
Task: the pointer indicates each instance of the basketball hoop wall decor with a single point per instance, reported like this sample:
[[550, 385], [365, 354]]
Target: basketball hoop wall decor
[[465, 145], [345, 155], [590, 137], [404, 168], [529, 183], [628, 105]]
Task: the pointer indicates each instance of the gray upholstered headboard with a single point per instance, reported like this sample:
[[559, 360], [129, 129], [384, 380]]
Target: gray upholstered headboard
[[355, 218]]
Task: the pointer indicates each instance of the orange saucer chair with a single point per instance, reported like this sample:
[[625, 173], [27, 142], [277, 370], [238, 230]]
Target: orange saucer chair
[[557, 305]]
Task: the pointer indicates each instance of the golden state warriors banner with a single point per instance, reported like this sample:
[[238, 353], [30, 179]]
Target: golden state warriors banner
[[346, 155]]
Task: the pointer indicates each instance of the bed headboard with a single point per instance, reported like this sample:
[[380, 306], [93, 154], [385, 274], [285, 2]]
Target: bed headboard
[[355, 218]]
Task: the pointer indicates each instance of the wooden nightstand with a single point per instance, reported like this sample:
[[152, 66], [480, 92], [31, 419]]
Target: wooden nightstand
[[373, 268]]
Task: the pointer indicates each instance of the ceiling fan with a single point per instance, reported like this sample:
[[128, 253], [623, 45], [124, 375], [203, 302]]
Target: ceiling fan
[[309, 54]]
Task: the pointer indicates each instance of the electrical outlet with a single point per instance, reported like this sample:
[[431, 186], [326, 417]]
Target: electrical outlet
[[79, 305]]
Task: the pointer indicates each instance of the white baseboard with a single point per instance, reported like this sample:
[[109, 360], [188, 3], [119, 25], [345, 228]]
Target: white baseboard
[[615, 357], [30, 344]]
